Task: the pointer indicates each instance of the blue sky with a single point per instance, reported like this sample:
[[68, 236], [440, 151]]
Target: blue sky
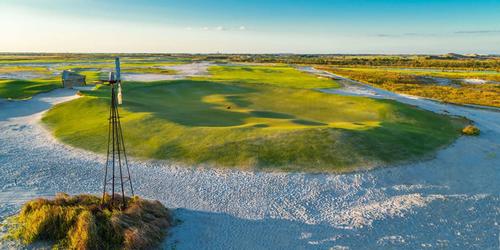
[[272, 26]]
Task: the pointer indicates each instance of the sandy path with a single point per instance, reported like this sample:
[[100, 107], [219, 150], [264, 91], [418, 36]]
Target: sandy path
[[451, 201]]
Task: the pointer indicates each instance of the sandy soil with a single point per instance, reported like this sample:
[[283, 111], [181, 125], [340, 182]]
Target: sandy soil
[[183, 71], [451, 201], [21, 75], [476, 81], [149, 77]]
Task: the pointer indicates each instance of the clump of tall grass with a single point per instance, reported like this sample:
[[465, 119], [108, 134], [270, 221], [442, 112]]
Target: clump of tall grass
[[82, 222], [470, 130]]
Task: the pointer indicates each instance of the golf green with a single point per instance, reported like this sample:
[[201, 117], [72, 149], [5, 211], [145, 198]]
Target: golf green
[[255, 117]]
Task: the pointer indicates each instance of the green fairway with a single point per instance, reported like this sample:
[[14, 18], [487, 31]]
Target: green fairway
[[255, 117], [21, 89], [282, 76]]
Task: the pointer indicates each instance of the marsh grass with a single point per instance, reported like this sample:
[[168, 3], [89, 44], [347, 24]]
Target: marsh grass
[[411, 83], [81, 222]]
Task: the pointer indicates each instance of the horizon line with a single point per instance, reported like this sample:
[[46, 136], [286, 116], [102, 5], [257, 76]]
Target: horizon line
[[257, 53]]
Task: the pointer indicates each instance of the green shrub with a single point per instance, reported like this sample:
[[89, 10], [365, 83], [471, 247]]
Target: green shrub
[[81, 222], [471, 130]]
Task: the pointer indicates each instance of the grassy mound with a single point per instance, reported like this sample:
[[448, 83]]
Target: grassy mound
[[80, 222], [21, 89], [250, 117]]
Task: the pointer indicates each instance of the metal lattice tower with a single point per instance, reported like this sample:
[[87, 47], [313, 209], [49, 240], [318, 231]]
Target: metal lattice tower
[[117, 173]]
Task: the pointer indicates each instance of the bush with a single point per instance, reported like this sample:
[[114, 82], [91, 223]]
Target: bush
[[471, 130], [81, 222]]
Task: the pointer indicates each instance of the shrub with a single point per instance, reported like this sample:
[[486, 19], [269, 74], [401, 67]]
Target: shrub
[[81, 222], [471, 130]]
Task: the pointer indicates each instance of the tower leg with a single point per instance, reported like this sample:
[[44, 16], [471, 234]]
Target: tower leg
[[115, 152]]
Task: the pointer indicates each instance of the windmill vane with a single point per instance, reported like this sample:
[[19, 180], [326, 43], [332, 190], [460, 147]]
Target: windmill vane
[[116, 159]]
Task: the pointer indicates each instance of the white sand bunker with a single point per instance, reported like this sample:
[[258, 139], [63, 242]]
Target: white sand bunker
[[349, 87], [474, 81], [453, 197], [183, 71], [21, 75], [192, 69], [137, 77]]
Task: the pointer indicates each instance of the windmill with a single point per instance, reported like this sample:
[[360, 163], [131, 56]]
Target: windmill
[[117, 173]]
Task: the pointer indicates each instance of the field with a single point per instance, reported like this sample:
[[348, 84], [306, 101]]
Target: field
[[22, 76], [220, 118], [22, 89], [446, 86], [256, 117], [252, 116]]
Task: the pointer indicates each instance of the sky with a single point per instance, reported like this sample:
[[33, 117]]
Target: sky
[[251, 26]]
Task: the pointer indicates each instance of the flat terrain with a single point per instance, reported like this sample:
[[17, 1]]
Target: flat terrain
[[447, 201], [264, 117], [22, 76], [386, 208], [452, 86]]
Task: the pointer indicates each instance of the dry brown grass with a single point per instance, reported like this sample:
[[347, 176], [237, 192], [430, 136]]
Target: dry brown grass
[[81, 222], [471, 130], [405, 83]]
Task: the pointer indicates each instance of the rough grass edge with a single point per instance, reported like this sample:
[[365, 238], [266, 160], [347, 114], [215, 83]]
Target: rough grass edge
[[82, 222]]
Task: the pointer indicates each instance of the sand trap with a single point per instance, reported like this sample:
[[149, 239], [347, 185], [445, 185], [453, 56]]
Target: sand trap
[[21, 75], [474, 81], [452, 200], [149, 77], [183, 71], [192, 69], [86, 88]]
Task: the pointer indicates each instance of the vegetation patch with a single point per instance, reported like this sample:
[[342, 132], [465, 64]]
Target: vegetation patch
[[471, 130], [251, 120], [282, 76], [22, 89], [411, 83], [81, 222], [448, 61]]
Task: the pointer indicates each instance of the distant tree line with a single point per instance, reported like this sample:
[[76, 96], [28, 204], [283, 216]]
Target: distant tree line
[[445, 62]]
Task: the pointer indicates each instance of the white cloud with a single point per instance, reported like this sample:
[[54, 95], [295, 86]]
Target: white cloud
[[219, 28]]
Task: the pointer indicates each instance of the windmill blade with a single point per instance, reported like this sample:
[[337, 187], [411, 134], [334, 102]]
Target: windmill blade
[[118, 70], [118, 80], [119, 96]]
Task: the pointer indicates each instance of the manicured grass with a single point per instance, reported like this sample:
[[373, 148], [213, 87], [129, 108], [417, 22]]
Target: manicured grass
[[282, 76], [21, 89], [82, 222], [247, 121]]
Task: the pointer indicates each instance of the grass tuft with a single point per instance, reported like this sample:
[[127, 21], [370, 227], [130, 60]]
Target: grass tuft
[[471, 130], [81, 222]]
